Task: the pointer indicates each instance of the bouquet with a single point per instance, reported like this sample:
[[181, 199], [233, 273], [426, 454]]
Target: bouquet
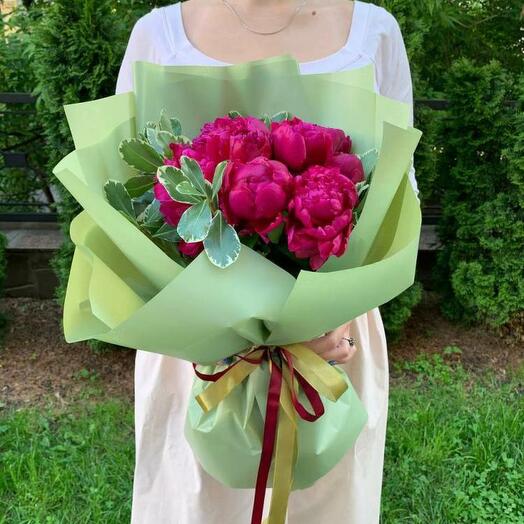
[[287, 188], [203, 248]]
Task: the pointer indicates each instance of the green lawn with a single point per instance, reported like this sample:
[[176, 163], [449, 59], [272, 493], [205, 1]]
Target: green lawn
[[454, 454]]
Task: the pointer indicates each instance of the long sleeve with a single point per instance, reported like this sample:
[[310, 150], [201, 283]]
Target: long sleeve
[[393, 71]]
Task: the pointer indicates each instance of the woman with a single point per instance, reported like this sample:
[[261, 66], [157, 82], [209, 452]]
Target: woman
[[324, 36]]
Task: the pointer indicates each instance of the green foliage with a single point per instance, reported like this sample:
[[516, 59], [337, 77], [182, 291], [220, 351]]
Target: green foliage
[[71, 466], [438, 32], [75, 50], [19, 131], [454, 447], [396, 313], [480, 171]]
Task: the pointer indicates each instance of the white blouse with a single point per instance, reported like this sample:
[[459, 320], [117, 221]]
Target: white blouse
[[375, 37]]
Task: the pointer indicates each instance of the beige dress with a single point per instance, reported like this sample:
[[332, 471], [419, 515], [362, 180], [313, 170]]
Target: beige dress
[[170, 487]]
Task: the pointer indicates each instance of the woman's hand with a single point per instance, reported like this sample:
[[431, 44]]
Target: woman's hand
[[336, 346]]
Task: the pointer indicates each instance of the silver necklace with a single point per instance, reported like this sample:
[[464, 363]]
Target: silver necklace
[[257, 32]]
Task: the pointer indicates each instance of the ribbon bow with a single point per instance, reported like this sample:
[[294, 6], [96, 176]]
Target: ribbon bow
[[290, 368]]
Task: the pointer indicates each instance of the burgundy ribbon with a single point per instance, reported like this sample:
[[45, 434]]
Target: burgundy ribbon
[[276, 357]]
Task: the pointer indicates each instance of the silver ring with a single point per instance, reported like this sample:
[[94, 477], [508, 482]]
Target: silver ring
[[332, 362], [350, 341]]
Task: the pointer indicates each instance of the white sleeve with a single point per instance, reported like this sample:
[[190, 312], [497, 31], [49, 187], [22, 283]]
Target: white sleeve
[[393, 71], [138, 48]]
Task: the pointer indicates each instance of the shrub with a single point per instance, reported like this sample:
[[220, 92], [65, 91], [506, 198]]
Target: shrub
[[482, 227], [396, 313], [76, 50], [20, 131]]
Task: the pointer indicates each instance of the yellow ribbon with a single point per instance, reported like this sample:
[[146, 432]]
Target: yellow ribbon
[[326, 380]]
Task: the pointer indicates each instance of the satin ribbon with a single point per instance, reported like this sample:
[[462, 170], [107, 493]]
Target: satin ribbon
[[291, 368]]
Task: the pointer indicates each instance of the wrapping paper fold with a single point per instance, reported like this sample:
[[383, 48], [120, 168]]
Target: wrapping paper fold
[[123, 289]]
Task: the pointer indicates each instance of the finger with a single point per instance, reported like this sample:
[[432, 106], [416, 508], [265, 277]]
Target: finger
[[327, 342], [341, 354]]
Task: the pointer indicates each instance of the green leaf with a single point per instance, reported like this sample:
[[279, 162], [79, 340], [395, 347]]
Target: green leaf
[[152, 218], [276, 233], [250, 240], [117, 195], [165, 123], [185, 188], [369, 160], [167, 232], [193, 173], [266, 119], [218, 177], [222, 244], [181, 139], [234, 114], [164, 138], [152, 139], [281, 116], [140, 155], [138, 185], [176, 126], [195, 222], [361, 187], [171, 249], [170, 177]]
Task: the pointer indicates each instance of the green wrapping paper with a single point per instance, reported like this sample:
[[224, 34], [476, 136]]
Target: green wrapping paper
[[193, 313], [228, 439], [124, 290]]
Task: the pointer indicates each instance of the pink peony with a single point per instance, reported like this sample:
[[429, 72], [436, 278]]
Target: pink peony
[[240, 138], [177, 150], [300, 144], [349, 165], [341, 142], [320, 214], [172, 211], [191, 249], [254, 195]]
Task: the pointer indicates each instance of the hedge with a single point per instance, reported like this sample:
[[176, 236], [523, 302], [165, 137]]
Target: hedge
[[481, 176]]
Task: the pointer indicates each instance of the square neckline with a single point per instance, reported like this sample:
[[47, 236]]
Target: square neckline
[[181, 42]]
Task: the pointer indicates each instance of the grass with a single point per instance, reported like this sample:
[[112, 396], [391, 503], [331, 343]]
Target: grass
[[73, 466], [455, 447], [454, 454]]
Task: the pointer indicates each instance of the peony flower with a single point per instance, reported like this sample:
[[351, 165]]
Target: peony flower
[[172, 211], [178, 151], [207, 165], [300, 144], [254, 195], [341, 141], [349, 165], [320, 214], [240, 138], [190, 249]]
